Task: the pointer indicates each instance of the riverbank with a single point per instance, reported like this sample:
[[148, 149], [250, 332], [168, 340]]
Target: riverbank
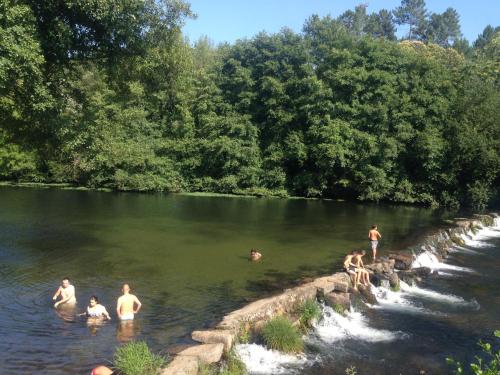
[[402, 268]]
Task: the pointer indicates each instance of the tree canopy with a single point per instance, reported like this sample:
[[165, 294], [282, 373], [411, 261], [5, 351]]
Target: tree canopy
[[106, 94]]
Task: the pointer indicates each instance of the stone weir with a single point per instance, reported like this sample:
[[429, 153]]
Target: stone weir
[[335, 290]]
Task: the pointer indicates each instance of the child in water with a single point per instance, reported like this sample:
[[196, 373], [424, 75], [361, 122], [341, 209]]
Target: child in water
[[95, 310]]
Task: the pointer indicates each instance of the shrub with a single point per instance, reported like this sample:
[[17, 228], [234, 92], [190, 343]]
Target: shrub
[[233, 365], [280, 334], [244, 333], [479, 367], [309, 312], [135, 358]]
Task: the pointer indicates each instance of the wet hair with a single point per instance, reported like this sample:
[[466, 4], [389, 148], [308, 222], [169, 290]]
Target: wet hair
[[354, 252], [374, 226], [94, 298], [252, 251], [66, 278]]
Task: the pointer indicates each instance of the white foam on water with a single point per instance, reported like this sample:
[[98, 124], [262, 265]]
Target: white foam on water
[[397, 301], [472, 241], [334, 327], [428, 259], [461, 249], [430, 294], [260, 360]]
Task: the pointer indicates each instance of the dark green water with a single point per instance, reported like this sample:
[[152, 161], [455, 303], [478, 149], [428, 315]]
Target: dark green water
[[184, 256]]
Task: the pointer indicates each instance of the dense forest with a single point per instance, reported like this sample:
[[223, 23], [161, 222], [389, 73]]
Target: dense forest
[[111, 94]]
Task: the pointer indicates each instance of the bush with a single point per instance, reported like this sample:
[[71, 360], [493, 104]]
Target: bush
[[135, 358], [233, 365], [279, 334], [309, 312], [480, 367]]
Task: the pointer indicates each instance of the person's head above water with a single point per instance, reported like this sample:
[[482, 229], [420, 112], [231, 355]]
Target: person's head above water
[[93, 301], [374, 226], [126, 288], [65, 282]]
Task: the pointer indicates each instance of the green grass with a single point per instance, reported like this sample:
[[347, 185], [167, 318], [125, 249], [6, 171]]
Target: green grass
[[135, 358], [338, 308], [233, 365], [396, 288], [244, 334], [309, 312], [280, 334]]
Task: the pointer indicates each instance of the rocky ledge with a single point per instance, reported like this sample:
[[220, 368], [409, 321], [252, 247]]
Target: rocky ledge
[[335, 290]]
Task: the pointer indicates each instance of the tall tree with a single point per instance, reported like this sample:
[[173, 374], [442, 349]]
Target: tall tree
[[355, 21], [486, 36], [444, 28], [381, 25], [413, 14]]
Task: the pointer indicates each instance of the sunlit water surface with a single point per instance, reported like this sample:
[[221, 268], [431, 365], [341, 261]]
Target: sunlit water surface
[[186, 259]]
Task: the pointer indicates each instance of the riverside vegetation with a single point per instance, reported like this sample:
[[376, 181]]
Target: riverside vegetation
[[107, 95]]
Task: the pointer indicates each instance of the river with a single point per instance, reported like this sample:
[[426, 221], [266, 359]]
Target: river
[[186, 259]]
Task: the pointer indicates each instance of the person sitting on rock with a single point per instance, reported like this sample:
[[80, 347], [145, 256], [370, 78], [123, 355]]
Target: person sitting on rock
[[352, 270], [255, 255], [364, 275]]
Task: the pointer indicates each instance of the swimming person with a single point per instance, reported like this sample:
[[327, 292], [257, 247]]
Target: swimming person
[[125, 305], [255, 255], [364, 274], [351, 269], [67, 293], [95, 310], [374, 236]]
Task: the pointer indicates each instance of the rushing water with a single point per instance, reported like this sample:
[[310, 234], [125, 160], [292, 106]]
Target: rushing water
[[407, 332], [186, 258]]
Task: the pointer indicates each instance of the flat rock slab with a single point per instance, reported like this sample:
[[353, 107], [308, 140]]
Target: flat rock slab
[[205, 353], [181, 366], [335, 298], [214, 336]]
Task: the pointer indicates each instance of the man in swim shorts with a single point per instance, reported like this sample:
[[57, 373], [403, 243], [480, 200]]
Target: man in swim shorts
[[125, 307], [67, 293], [374, 236]]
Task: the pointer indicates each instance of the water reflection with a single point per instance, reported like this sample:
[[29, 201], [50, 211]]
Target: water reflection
[[126, 330]]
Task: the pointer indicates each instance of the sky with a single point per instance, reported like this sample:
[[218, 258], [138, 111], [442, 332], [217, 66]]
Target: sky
[[229, 20]]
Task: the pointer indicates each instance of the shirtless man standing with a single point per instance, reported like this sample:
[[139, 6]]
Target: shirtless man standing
[[374, 236], [67, 293], [125, 305]]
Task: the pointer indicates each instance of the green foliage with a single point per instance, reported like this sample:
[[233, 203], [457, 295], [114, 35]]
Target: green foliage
[[244, 333], [351, 371], [309, 312], [232, 365], [480, 366], [338, 308], [135, 358], [114, 97], [280, 334]]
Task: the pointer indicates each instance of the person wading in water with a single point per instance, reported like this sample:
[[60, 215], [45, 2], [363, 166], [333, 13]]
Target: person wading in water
[[374, 236], [126, 303]]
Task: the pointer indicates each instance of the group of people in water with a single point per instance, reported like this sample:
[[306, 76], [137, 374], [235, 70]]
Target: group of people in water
[[126, 307], [353, 262]]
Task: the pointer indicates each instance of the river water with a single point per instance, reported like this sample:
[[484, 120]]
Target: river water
[[186, 259], [412, 331]]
